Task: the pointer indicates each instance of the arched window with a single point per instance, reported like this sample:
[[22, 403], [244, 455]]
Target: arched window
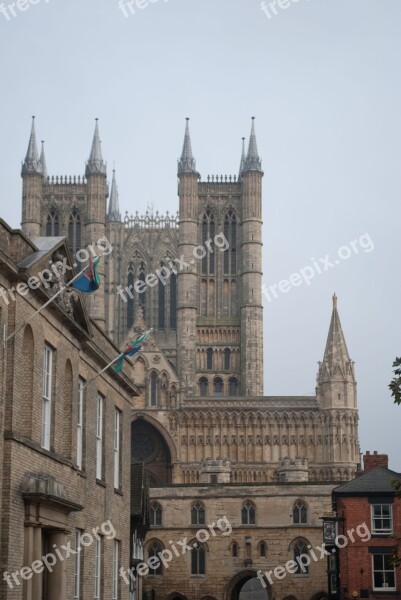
[[198, 560], [130, 297], [218, 386], [262, 549], [153, 389], [227, 359], [234, 549], [162, 300], [233, 385], [230, 233], [300, 548], [155, 514], [209, 358], [154, 550], [74, 230], [52, 224], [248, 513], [173, 301], [142, 295], [299, 512], [203, 385], [197, 514], [208, 233]]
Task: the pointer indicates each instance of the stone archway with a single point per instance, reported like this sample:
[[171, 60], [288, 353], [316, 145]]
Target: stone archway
[[246, 586], [149, 446]]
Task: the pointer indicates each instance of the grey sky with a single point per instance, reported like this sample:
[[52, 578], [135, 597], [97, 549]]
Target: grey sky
[[322, 78]]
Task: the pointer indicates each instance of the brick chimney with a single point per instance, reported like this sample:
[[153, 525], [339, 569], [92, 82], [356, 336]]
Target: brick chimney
[[370, 461]]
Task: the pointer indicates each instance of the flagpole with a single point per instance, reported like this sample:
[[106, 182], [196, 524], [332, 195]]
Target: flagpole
[[103, 370], [41, 308]]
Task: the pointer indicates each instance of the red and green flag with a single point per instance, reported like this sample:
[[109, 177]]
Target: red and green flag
[[131, 349]]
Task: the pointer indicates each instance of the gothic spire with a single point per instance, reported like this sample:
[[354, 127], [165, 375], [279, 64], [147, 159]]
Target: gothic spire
[[43, 165], [336, 352], [31, 163], [187, 163], [95, 164], [114, 211], [253, 162], [243, 159]]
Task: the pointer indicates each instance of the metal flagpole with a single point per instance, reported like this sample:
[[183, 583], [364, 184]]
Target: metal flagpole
[[103, 370], [41, 308]]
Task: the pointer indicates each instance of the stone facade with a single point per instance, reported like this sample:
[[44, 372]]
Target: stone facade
[[51, 491]]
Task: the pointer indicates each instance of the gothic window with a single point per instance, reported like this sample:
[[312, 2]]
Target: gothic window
[[173, 301], [162, 301], [155, 514], [300, 548], [153, 389], [142, 295], [52, 224], [248, 513], [234, 549], [130, 297], [74, 230], [299, 512], [209, 358], [155, 550], [207, 234], [227, 359], [233, 386], [198, 560], [218, 386], [197, 514], [203, 385], [230, 233]]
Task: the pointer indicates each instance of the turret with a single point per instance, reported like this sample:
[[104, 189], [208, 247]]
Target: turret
[[187, 279], [95, 226], [32, 188], [251, 273]]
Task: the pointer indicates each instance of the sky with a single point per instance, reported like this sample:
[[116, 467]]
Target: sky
[[322, 79]]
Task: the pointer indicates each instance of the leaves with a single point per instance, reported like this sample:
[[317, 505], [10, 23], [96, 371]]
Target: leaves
[[395, 385]]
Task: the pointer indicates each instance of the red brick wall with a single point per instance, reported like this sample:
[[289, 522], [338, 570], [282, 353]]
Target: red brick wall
[[370, 461]]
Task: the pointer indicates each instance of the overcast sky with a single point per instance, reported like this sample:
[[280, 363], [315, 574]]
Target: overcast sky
[[322, 79]]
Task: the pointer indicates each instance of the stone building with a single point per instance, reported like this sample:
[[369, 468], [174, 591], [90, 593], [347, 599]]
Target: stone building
[[202, 425], [63, 437]]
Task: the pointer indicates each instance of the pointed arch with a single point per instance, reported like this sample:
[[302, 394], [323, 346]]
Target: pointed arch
[[52, 224], [74, 230]]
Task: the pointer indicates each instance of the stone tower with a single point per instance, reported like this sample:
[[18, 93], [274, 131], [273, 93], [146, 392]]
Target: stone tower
[[32, 182]]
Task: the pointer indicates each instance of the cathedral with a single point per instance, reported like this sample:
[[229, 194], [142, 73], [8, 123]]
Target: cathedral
[[212, 444]]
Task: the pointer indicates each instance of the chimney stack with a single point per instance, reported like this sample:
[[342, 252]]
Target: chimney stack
[[370, 461]]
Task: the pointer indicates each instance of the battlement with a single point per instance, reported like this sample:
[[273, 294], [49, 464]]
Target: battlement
[[150, 221]]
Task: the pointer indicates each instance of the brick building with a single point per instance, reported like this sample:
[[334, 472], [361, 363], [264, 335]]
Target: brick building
[[63, 473], [365, 567]]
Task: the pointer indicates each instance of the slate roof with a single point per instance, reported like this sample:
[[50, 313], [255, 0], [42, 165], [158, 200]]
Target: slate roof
[[377, 480]]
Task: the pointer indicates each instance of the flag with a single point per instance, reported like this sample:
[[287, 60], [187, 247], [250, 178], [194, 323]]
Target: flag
[[132, 348], [89, 281]]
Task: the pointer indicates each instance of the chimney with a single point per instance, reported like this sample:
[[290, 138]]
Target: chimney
[[370, 461]]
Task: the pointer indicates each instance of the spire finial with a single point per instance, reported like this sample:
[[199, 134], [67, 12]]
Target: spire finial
[[334, 300], [253, 162], [31, 164], [243, 159], [113, 213], [187, 163], [336, 352], [43, 165], [95, 164]]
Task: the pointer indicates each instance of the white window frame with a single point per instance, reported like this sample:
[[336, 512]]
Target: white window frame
[[98, 569], [387, 589], [117, 444], [373, 517], [99, 437], [80, 423], [77, 565], [116, 566], [47, 396]]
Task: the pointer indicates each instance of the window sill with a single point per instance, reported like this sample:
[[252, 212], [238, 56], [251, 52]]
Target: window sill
[[118, 491], [101, 482]]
